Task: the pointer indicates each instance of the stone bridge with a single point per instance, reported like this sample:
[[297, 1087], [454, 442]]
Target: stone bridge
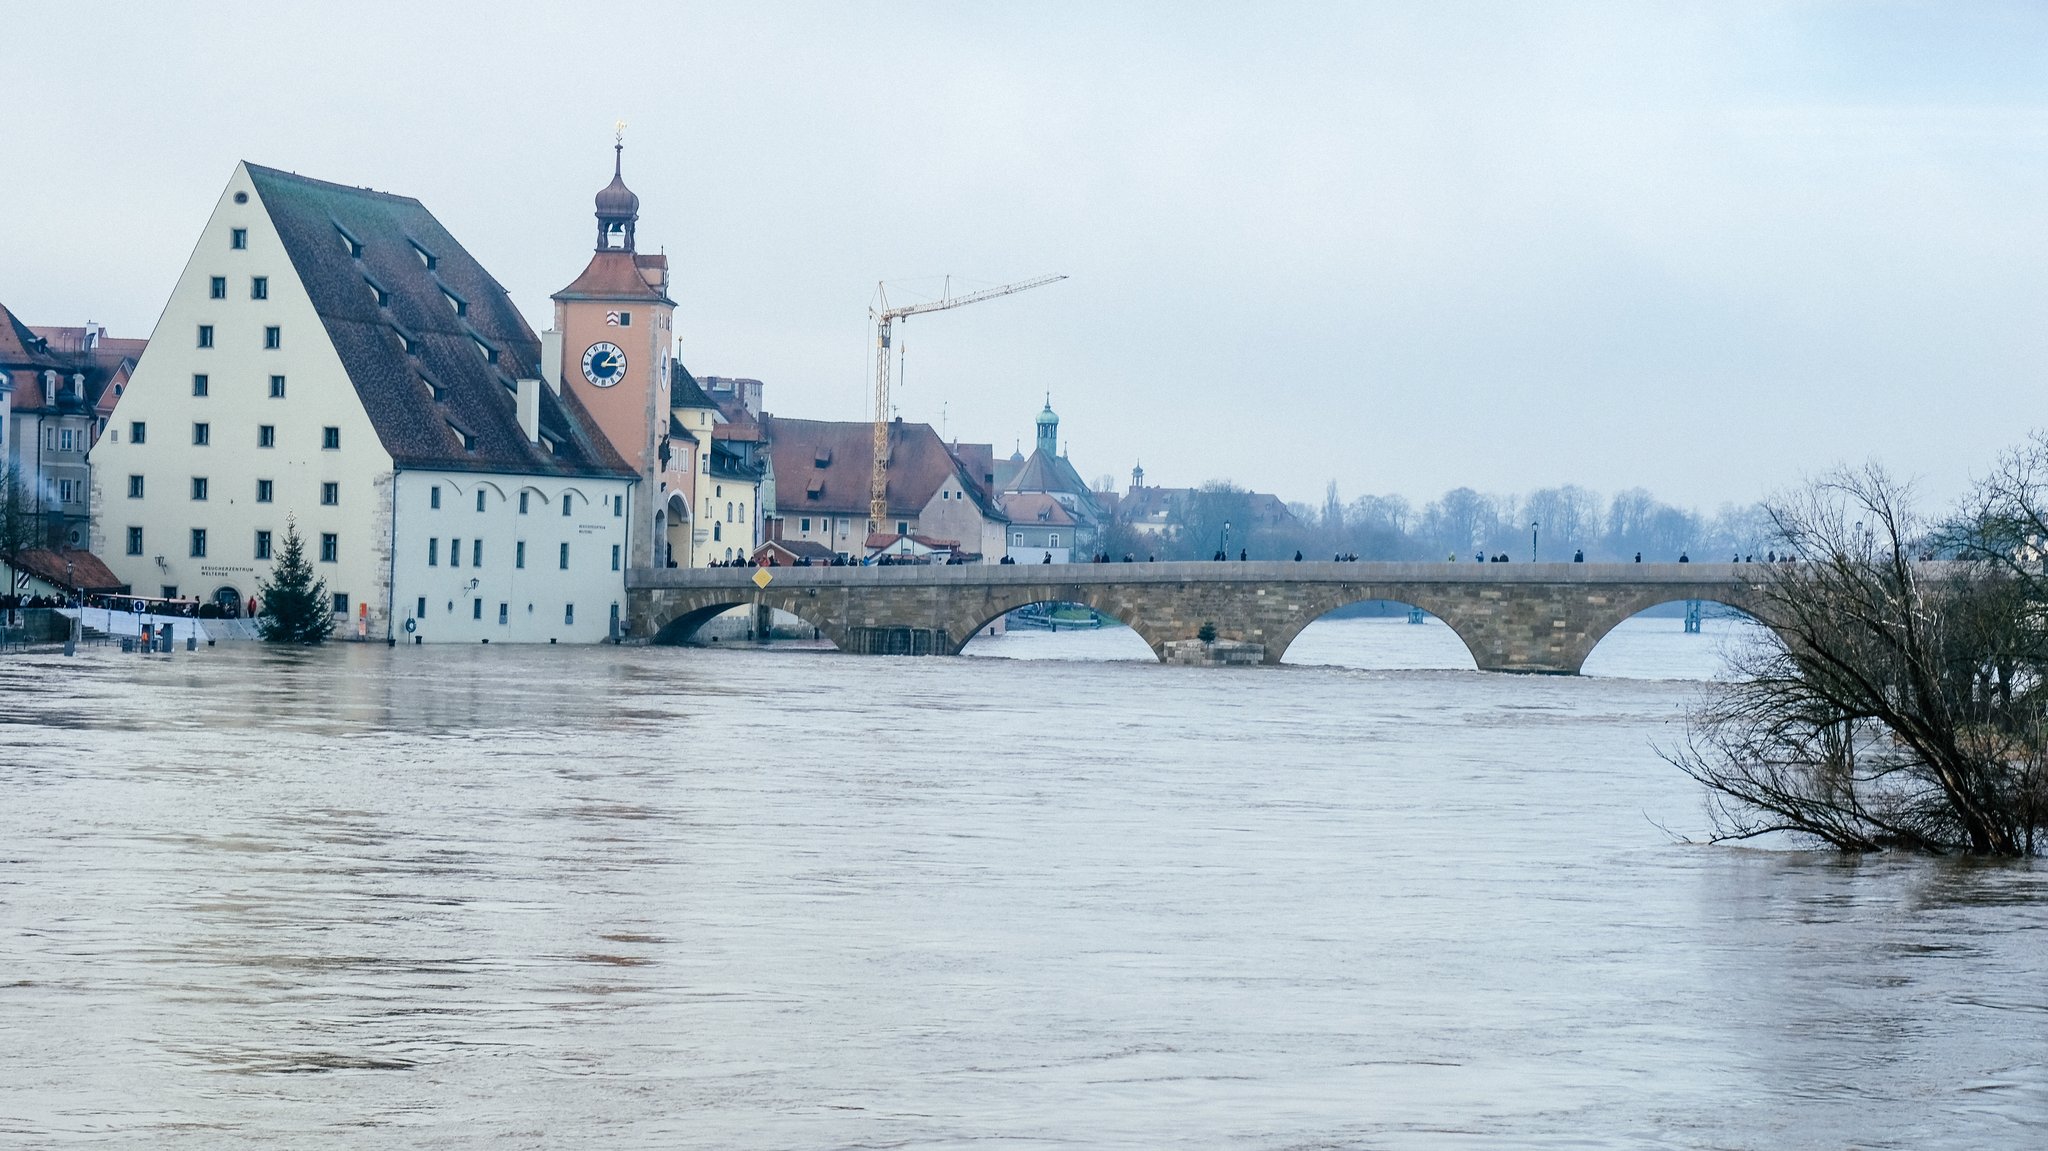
[[1512, 617]]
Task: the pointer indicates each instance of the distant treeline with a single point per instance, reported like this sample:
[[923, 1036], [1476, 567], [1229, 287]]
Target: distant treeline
[[1462, 522]]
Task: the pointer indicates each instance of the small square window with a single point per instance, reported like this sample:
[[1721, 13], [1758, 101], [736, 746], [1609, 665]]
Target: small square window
[[504, 610], [479, 499], [330, 494], [330, 547], [134, 541], [206, 335], [625, 319], [330, 439], [238, 238], [199, 543], [134, 487], [266, 435], [273, 337], [137, 432], [434, 496], [422, 612], [569, 614], [565, 557], [198, 385], [262, 545], [806, 529], [259, 287], [341, 603], [277, 387], [217, 289], [198, 487], [202, 434], [263, 491]]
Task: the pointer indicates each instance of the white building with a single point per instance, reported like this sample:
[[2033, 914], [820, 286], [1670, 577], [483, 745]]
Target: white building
[[332, 356]]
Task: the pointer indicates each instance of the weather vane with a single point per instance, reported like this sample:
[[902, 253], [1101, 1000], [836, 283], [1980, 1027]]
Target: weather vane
[[619, 133]]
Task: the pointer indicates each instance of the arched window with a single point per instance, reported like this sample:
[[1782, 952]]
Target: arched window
[[715, 533]]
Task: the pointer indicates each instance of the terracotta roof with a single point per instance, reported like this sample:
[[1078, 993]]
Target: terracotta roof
[[1036, 508], [613, 274], [877, 541], [31, 351], [391, 235], [20, 347], [980, 460], [823, 466], [90, 572]]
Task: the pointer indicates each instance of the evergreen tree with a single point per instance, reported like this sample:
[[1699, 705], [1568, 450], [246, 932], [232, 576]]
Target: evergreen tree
[[295, 607]]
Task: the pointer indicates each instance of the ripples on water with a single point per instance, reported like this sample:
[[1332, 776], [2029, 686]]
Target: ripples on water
[[503, 897]]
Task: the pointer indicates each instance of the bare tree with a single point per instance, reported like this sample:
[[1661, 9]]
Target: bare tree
[[20, 526], [1895, 704]]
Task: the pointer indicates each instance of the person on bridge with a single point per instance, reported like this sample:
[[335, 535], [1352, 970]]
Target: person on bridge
[[1639, 557], [1683, 558], [1047, 559], [1242, 555], [1579, 557], [1297, 555]]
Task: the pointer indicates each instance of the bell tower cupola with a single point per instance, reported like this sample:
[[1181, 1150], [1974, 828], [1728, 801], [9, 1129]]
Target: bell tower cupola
[[1048, 429], [618, 209]]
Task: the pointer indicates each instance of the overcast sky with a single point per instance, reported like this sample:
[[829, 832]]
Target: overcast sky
[[1704, 249]]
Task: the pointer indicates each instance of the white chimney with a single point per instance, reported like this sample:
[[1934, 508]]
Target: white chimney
[[529, 409], [551, 360]]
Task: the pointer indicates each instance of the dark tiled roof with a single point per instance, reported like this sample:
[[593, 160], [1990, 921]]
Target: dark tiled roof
[[394, 235], [918, 464], [797, 549], [614, 274], [685, 392]]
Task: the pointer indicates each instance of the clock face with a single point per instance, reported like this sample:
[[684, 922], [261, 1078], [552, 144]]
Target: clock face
[[604, 364]]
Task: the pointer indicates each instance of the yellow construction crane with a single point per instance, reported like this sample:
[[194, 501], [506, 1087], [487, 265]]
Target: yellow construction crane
[[885, 321]]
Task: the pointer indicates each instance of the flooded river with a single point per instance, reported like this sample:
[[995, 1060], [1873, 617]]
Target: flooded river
[[1048, 897]]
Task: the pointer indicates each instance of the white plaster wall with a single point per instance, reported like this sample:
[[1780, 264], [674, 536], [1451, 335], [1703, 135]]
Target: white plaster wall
[[535, 595], [318, 394]]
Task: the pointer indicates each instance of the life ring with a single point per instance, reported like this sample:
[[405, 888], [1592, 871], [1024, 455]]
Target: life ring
[[411, 625]]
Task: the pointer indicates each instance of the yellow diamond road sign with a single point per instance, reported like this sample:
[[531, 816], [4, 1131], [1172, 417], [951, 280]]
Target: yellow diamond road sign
[[761, 578]]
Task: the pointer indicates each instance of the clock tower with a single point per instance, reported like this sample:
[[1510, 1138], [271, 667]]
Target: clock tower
[[614, 323]]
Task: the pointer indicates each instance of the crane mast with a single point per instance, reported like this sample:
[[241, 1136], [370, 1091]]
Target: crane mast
[[885, 323]]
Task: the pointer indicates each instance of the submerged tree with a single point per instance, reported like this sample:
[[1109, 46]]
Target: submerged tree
[[1895, 703], [295, 607]]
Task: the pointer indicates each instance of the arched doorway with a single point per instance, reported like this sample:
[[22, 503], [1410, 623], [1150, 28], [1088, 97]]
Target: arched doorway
[[676, 540], [229, 600]]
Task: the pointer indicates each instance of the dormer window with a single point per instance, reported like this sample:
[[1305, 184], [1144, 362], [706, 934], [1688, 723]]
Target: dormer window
[[348, 241], [460, 305], [824, 457], [434, 390], [406, 340], [489, 353], [468, 441], [425, 256], [377, 290]]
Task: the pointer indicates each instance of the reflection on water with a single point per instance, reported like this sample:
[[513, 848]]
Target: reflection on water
[[480, 897]]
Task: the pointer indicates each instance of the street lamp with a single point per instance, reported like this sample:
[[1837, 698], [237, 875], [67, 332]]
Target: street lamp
[[1532, 541], [1224, 550]]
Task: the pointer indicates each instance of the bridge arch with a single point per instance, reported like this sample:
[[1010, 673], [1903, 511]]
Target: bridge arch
[[1112, 601], [1108, 619], [677, 619], [1445, 607], [1629, 607], [1404, 600]]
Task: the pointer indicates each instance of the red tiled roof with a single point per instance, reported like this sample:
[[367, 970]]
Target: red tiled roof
[[918, 464], [611, 275], [88, 570], [1035, 508]]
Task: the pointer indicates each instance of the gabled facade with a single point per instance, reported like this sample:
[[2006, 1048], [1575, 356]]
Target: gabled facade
[[332, 357], [822, 472]]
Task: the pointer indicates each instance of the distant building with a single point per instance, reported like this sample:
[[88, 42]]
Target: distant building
[[58, 386], [1151, 511], [823, 473], [333, 357], [1040, 526], [1047, 473]]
